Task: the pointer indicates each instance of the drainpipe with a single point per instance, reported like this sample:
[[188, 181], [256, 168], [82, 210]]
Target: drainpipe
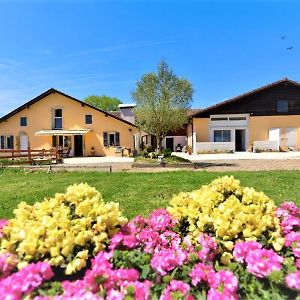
[[189, 122]]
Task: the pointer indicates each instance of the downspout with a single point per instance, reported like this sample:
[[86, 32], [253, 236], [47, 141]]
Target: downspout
[[192, 132]]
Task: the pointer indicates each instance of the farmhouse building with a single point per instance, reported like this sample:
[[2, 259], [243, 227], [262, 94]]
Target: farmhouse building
[[54, 119], [267, 118]]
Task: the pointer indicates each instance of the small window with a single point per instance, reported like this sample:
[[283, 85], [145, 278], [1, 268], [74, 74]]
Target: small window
[[282, 106], [237, 118], [111, 139], [58, 118], [2, 142], [61, 141], [23, 121], [222, 136], [219, 119], [10, 142], [88, 119]]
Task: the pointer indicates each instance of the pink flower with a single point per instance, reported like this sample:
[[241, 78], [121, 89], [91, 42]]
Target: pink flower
[[200, 273], [115, 295], [223, 279], [149, 239], [161, 220], [169, 239], [8, 263], [73, 288], [208, 247], [290, 224], [293, 280], [25, 280], [142, 289], [100, 271], [123, 277], [263, 262], [128, 241], [287, 209], [214, 294], [167, 259], [242, 249], [176, 286], [292, 239], [298, 263]]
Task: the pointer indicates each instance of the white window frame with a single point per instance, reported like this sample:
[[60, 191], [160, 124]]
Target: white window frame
[[229, 124], [55, 118], [5, 143]]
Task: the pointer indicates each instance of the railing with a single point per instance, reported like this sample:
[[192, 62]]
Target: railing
[[29, 156]]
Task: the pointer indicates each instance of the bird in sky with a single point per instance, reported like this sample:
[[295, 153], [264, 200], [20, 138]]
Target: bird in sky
[[283, 37], [290, 48]]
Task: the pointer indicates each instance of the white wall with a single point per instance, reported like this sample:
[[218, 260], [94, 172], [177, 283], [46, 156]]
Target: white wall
[[215, 146], [181, 139]]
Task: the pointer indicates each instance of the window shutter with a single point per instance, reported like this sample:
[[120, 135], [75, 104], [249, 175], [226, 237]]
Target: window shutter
[[2, 142], [105, 139], [117, 138]]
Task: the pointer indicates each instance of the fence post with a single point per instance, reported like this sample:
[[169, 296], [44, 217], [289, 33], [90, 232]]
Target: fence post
[[29, 155], [12, 154]]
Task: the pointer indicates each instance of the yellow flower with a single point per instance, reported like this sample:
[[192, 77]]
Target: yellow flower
[[228, 210], [52, 228]]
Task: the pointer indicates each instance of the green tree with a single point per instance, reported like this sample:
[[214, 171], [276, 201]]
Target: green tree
[[162, 100], [103, 102]]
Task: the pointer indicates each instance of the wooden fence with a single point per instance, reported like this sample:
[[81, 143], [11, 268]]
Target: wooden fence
[[30, 156]]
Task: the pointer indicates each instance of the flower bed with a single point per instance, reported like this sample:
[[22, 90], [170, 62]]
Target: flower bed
[[223, 241]]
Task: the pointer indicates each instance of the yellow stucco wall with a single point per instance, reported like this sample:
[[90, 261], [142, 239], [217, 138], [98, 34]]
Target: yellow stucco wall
[[39, 117], [259, 127], [201, 127]]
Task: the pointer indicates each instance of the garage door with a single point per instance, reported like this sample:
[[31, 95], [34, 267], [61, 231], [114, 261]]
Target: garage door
[[291, 137]]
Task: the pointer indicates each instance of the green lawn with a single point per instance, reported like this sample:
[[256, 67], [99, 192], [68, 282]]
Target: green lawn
[[137, 193]]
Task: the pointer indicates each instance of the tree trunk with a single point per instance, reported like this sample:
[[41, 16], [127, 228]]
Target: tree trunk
[[159, 142]]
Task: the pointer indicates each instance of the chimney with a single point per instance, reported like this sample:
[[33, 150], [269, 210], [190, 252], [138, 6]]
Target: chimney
[[127, 112]]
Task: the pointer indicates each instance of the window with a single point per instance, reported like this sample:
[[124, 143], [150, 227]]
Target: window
[[58, 118], [111, 138], [237, 118], [222, 136], [88, 119], [7, 142], [23, 121], [2, 142], [282, 106], [61, 141], [219, 119]]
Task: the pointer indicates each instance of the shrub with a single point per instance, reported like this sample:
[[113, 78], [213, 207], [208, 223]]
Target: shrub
[[65, 230], [167, 152], [228, 211]]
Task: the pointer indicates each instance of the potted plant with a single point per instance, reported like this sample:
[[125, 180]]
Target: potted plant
[[189, 150], [93, 151]]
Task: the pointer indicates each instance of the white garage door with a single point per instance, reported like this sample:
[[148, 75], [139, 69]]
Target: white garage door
[[291, 137]]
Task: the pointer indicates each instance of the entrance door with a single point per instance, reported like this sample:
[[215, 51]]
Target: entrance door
[[291, 137], [240, 144], [23, 142], [170, 143], [274, 135], [78, 145]]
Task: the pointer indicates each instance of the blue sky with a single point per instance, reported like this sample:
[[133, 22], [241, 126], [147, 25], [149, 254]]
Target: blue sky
[[103, 47]]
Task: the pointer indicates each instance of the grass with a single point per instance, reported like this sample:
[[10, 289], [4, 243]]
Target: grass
[[167, 160], [137, 193]]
